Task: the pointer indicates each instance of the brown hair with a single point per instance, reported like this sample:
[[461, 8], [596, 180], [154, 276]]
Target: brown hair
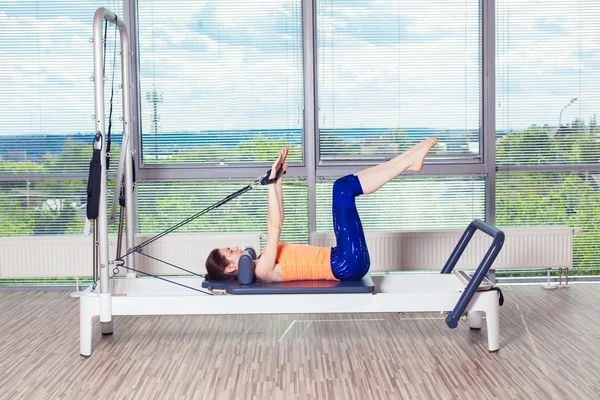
[[215, 267]]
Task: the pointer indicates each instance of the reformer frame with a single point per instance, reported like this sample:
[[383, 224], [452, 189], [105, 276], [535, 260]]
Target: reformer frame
[[443, 292]]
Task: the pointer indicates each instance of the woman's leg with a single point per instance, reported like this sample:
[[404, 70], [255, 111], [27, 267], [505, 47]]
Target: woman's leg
[[371, 179], [350, 257]]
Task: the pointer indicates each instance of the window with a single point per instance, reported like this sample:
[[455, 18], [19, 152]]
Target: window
[[163, 204], [412, 204], [221, 84], [46, 113], [550, 198], [221, 81], [547, 135], [44, 207], [547, 80], [391, 73]]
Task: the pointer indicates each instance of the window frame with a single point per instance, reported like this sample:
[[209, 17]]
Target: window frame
[[311, 168]]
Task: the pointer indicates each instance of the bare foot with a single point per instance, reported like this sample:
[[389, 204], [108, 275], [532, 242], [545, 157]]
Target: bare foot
[[416, 154]]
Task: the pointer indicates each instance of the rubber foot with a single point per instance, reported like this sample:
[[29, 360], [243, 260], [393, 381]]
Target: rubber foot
[[494, 351], [475, 329], [106, 328]]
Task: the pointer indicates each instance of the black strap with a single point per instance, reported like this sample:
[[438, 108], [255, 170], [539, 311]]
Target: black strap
[[267, 181], [94, 176], [263, 181], [169, 264], [137, 249], [187, 220], [166, 280]]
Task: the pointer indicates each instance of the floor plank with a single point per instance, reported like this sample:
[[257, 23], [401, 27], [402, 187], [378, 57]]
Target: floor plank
[[548, 351]]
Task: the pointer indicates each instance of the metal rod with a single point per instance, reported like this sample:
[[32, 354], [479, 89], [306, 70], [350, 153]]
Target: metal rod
[[126, 92], [130, 211], [95, 252], [311, 144], [488, 112], [100, 16], [120, 231]]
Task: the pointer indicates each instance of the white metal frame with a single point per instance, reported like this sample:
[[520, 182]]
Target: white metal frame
[[393, 293]]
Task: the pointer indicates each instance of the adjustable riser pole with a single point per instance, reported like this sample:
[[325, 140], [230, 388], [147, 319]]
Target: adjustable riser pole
[[102, 222]]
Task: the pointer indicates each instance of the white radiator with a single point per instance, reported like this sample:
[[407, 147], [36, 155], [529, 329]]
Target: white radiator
[[56, 256], [548, 247], [543, 247]]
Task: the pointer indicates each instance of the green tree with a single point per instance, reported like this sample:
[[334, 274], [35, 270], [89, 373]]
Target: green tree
[[16, 221], [534, 145]]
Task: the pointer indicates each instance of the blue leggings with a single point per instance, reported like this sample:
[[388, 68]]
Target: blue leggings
[[350, 259]]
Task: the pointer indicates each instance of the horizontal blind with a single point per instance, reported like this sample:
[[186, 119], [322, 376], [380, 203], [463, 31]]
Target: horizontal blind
[[221, 81], [547, 82], [164, 204], [393, 72], [543, 199], [412, 204], [44, 207], [47, 95]]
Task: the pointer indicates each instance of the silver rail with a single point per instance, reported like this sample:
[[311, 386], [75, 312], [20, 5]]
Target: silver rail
[[100, 16]]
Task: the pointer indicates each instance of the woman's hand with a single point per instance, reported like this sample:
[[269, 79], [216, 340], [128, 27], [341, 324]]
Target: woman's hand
[[278, 163]]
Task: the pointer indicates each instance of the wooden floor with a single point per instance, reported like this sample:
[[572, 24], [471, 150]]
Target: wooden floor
[[550, 349]]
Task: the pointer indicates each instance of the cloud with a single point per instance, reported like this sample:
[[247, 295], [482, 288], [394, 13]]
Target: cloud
[[547, 53], [47, 68]]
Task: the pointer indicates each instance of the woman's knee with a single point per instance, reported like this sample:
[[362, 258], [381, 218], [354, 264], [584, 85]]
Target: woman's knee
[[348, 185]]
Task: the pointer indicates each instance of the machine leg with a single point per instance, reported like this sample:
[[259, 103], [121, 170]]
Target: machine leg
[[474, 318], [85, 331], [548, 285], [492, 316]]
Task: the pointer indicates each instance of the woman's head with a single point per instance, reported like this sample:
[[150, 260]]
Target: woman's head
[[222, 263]]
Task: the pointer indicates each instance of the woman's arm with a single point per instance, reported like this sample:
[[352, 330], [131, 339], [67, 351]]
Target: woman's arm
[[280, 198], [265, 266]]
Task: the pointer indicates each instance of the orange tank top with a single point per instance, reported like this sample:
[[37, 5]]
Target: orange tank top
[[301, 262]]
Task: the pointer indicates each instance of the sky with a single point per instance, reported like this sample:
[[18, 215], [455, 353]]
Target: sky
[[236, 64]]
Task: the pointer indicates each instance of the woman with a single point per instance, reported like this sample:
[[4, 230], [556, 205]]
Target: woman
[[349, 259]]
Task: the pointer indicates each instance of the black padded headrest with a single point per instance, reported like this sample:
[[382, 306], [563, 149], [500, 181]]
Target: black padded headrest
[[245, 267]]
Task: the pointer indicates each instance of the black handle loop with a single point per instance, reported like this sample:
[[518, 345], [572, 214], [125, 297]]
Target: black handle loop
[[266, 181], [501, 299]]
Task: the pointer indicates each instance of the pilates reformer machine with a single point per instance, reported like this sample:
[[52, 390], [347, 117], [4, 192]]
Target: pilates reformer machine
[[453, 292]]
